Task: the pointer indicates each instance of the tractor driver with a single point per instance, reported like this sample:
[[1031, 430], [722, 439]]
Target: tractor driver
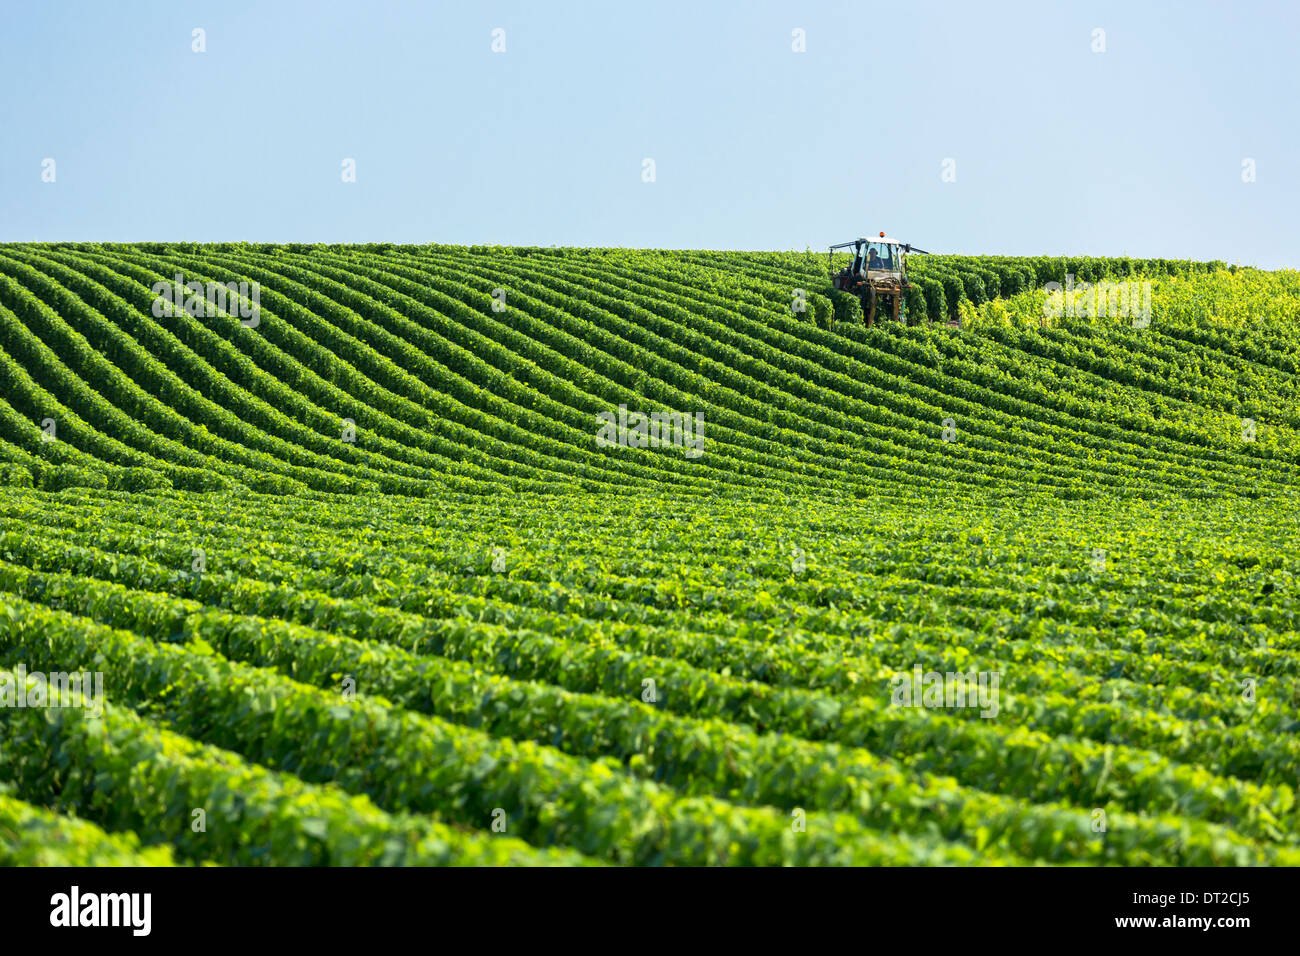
[[874, 261]]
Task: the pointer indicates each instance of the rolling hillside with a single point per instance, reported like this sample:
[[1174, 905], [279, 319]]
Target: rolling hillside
[[449, 394], [383, 567]]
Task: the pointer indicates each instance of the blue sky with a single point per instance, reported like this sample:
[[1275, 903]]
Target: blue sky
[[1057, 149]]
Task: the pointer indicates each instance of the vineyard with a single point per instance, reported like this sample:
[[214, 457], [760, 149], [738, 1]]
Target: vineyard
[[365, 586]]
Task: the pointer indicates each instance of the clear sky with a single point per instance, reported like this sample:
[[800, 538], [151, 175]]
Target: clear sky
[[1056, 149]]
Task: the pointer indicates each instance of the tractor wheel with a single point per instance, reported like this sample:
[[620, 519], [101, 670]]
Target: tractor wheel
[[868, 304]]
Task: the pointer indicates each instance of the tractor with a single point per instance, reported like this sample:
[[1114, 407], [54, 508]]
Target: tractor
[[878, 275]]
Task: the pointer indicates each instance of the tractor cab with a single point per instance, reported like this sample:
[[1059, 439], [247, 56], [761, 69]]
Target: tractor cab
[[877, 275], [883, 255]]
